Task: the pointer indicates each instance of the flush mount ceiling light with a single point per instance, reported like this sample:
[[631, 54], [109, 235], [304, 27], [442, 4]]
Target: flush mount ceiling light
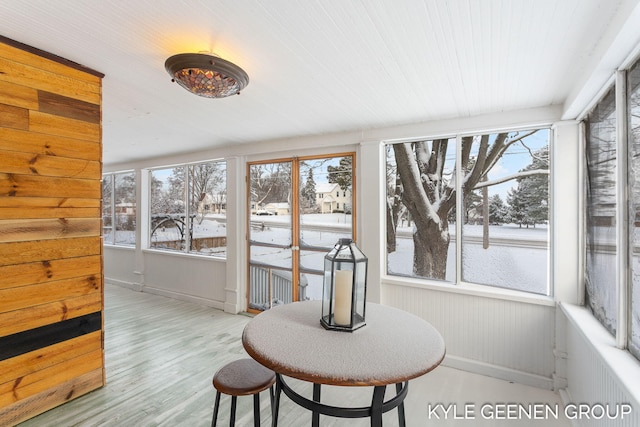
[[206, 75]]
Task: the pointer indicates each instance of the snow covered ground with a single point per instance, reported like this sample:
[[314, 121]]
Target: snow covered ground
[[509, 264]]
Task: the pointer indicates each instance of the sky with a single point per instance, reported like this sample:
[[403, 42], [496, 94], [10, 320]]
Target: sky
[[515, 159]]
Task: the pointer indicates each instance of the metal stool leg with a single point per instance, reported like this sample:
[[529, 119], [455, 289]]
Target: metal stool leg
[[401, 418], [256, 410], [232, 420], [215, 410], [271, 398], [315, 417], [276, 401], [376, 405]]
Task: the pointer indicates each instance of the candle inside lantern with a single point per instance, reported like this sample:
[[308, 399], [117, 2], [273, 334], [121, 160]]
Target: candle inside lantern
[[344, 286]]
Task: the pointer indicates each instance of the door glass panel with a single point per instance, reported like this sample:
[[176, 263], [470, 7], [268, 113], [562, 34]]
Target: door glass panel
[[270, 256], [299, 209], [325, 207], [270, 235]]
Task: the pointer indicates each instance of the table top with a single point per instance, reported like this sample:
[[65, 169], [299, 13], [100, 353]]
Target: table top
[[394, 346]]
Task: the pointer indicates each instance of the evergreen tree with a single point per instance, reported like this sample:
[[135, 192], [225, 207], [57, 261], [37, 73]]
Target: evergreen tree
[[341, 174], [528, 203], [517, 207], [497, 210], [308, 191]]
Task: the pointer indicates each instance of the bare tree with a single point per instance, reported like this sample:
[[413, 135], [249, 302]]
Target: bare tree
[[394, 204], [429, 191], [270, 182]]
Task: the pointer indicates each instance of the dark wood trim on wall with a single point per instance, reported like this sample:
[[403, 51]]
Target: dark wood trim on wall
[[50, 56], [44, 336]]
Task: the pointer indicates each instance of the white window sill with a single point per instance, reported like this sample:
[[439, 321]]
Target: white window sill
[[471, 289], [184, 255], [126, 247]]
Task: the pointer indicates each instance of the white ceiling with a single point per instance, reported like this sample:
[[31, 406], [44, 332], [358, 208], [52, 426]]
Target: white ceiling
[[317, 66]]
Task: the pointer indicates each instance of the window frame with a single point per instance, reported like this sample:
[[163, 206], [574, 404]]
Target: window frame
[[469, 288], [112, 178], [623, 198], [147, 244]]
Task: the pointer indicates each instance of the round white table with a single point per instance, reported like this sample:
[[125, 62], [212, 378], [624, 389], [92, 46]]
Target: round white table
[[393, 348]]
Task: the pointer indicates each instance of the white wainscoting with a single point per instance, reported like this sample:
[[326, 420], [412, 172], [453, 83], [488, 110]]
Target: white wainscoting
[[598, 373], [508, 339], [197, 279]]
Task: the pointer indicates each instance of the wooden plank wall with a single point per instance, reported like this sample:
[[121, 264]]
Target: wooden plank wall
[[51, 295]]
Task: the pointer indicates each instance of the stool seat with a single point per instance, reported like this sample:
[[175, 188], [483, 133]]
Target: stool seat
[[243, 377]]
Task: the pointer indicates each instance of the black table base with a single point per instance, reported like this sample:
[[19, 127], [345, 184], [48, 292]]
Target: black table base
[[375, 411]]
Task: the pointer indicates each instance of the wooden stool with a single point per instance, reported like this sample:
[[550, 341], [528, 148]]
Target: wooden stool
[[244, 377]]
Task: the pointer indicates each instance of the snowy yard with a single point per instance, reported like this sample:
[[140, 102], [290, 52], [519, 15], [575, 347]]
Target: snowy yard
[[517, 258]]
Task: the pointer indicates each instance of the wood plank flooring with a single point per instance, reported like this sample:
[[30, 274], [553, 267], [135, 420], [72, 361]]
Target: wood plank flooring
[[161, 355]]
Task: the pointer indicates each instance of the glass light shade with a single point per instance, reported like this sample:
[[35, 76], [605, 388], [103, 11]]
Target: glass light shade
[[345, 287], [206, 75]]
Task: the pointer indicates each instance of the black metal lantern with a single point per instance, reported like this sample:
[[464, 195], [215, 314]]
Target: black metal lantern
[[345, 287]]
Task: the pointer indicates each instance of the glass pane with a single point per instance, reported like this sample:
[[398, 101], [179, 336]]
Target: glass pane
[[275, 256], [270, 235], [125, 208], [269, 287], [633, 86], [506, 210], [325, 203], [107, 200], [208, 207], [311, 276], [168, 222], [421, 206], [600, 271], [270, 196]]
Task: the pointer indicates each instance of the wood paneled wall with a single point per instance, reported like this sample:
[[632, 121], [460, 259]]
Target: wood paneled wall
[[51, 276]]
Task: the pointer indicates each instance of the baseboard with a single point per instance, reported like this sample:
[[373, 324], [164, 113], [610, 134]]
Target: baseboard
[[166, 293], [129, 285], [184, 297], [500, 372]]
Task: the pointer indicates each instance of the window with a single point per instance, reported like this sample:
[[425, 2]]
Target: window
[[612, 259], [119, 208], [188, 208], [600, 260], [633, 88], [502, 215]]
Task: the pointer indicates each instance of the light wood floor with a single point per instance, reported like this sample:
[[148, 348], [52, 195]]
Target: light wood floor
[[161, 355]]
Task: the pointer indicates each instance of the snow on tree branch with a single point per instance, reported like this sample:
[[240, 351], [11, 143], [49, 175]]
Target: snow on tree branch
[[510, 177]]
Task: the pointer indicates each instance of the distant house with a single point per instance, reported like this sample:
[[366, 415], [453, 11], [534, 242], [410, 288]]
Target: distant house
[[280, 208], [125, 208], [213, 203], [330, 197]]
